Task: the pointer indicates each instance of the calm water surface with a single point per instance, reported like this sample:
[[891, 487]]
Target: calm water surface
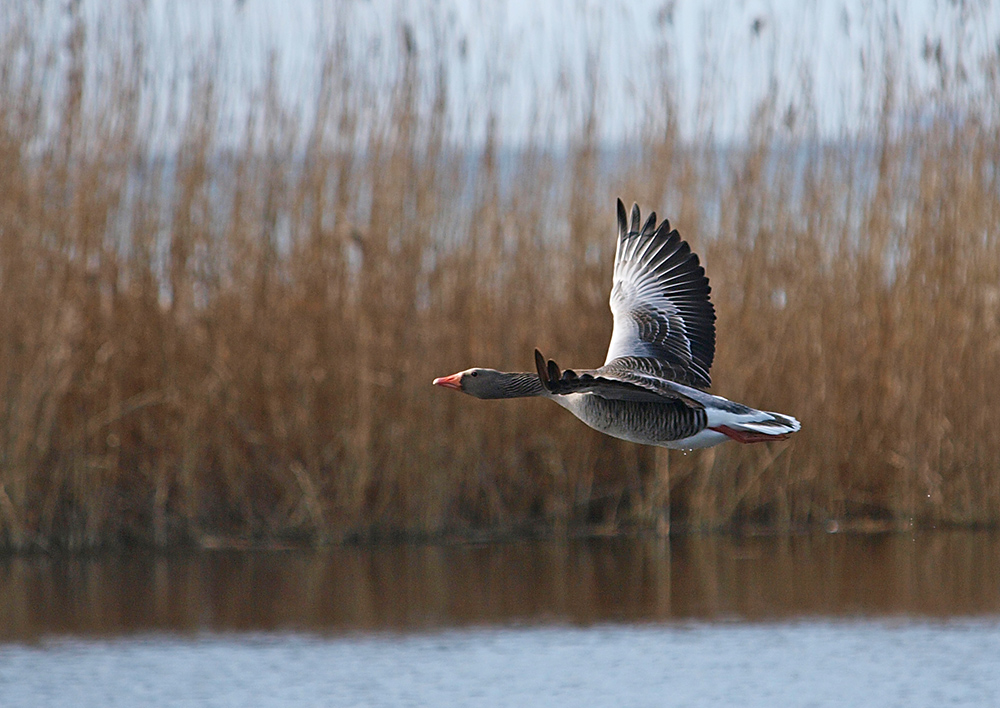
[[825, 620]]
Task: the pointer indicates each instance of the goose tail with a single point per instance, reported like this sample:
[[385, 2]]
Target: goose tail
[[752, 426]]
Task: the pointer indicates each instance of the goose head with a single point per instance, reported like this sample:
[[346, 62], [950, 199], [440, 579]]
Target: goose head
[[490, 383]]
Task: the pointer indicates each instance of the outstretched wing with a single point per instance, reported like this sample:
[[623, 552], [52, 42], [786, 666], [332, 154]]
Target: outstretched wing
[[621, 380], [660, 302]]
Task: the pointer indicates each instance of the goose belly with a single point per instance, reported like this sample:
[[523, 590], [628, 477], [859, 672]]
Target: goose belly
[[670, 424]]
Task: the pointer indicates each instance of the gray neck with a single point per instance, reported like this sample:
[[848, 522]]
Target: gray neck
[[519, 385]]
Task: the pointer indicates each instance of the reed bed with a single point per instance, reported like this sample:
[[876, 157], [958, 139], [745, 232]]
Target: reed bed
[[237, 343]]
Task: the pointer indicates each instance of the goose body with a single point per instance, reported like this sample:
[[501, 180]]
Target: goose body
[[652, 386]]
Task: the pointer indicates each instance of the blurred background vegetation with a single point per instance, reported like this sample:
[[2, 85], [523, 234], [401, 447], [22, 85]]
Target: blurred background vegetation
[[221, 310]]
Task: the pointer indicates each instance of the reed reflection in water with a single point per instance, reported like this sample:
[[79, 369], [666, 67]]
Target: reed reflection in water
[[409, 588]]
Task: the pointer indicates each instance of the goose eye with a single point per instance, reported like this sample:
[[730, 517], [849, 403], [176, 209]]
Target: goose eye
[[474, 373]]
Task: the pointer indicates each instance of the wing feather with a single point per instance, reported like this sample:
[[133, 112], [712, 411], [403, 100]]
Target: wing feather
[[620, 382], [624, 380], [660, 301]]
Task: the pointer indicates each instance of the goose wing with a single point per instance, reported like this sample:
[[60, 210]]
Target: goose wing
[[624, 379], [660, 302]]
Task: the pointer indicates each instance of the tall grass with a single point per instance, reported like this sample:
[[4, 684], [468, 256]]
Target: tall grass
[[238, 342]]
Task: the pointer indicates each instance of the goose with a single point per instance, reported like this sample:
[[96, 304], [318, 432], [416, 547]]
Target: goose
[[652, 388]]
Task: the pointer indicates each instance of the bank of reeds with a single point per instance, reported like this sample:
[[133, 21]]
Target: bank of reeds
[[239, 342]]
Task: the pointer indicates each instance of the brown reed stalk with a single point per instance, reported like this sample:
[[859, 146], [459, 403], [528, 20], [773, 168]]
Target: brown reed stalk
[[237, 342]]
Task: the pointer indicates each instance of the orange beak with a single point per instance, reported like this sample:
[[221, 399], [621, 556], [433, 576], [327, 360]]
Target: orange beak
[[454, 381]]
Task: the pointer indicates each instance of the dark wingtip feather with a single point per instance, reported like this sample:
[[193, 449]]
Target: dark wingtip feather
[[650, 226], [634, 226], [540, 366], [622, 219], [553, 372], [663, 230]]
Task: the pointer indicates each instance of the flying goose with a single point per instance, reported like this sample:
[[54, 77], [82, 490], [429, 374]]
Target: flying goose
[[652, 386]]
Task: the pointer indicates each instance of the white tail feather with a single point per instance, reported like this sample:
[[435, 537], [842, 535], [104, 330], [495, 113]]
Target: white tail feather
[[751, 425]]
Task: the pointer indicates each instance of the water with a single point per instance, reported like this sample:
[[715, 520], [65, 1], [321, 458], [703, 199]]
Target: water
[[804, 621]]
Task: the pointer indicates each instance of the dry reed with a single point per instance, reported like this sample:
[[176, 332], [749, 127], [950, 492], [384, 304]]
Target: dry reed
[[239, 342]]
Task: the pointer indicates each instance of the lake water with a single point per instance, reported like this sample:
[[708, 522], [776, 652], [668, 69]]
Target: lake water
[[819, 620]]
